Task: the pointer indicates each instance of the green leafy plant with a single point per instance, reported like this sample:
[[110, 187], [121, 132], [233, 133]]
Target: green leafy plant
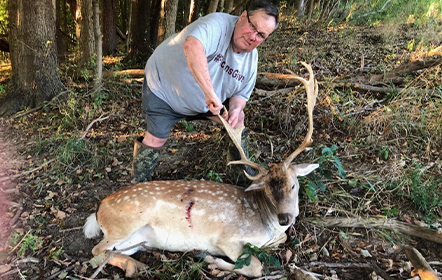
[[213, 176], [250, 250], [188, 126], [329, 156], [425, 194], [27, 243], [54, 253]]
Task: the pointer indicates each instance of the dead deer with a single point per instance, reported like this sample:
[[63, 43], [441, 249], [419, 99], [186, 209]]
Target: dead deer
[[216, 218]]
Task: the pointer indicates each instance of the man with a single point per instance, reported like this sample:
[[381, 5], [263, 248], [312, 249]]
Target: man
[[192, 73]]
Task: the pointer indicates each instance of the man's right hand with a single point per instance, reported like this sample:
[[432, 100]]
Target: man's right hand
[[214, 104]]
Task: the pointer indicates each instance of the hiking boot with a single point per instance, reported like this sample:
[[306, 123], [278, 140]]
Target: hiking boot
[[144, 161], [238, 169]]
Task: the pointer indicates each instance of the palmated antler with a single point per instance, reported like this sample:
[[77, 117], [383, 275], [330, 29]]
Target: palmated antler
[[235, 135], [311, 87]]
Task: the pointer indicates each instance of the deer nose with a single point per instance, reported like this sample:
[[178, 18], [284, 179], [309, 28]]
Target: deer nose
[[284, 219]]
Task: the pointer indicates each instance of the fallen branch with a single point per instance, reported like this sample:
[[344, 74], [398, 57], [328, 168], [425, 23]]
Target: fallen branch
[[136, 73], [99, 119], [374, 222], [420, 265], [46, 103], [26, 172], [372, 266]]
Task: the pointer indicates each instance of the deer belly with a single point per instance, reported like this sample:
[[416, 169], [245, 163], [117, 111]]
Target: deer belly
[[169, 240]]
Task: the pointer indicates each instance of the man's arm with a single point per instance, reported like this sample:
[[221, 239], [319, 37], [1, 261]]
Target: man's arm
[[197, 62]]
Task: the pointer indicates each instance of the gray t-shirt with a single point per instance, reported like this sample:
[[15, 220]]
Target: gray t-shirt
[[232, 74]]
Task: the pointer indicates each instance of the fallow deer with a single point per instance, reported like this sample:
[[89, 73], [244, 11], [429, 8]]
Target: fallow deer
[[216, 218]]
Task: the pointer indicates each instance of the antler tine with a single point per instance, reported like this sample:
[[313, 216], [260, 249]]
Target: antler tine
[[311, 87], [235, 135]]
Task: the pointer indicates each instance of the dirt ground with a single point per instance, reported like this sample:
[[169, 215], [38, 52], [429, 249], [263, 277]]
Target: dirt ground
[[40, 201]]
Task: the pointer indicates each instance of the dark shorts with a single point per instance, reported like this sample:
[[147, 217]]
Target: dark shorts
[[160, 117]]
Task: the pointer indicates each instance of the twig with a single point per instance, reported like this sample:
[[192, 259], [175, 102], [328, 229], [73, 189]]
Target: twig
[[9, 273], [29, 171], [59, 272], [375, 12], [278, 276], [71, 229], [17, 215], [100, 267], [101, 118], [28, 260]]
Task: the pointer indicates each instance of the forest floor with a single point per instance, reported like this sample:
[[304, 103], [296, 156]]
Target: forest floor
[[379, 150]]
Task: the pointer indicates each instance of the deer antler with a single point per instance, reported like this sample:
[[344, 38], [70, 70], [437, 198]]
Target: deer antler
[[311, 87], [235, 135]]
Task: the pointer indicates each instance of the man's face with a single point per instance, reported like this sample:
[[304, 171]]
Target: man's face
[[251, 30]]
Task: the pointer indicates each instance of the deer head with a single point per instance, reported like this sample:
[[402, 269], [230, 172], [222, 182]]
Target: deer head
[[280, 182]]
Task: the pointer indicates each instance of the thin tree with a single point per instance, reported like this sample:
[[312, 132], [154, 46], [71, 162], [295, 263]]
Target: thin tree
[[35, 75], [213, 6], [85, 32], [109, 16], [98, 44], [167, 19]]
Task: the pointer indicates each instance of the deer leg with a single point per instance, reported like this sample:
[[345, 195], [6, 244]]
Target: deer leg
[[104, 245], [252, 270], [131, 266]]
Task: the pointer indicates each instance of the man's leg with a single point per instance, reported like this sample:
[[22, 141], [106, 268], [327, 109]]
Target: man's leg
[[146, 153], [160, 118]]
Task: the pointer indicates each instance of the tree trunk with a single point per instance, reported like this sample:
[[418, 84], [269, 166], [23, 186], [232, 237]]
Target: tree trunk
[[229, 6], [109, 16], [221, 5], [35, 76], [85, 32], [167, 19], [187, 13], [98, 44], [311, 6], [123, 15], [60, 24], [301, 9], [196, 10], [212, 6], [140, 27]]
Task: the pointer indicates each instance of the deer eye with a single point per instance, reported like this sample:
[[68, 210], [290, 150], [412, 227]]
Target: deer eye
[[293, 186]]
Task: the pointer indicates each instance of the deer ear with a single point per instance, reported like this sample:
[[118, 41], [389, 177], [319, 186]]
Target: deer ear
[[255, 186], [305, 169]]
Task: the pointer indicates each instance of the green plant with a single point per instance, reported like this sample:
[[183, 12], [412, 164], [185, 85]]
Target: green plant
[[188, 126], [261, 253], [27, 243], [183, 268], [213, 176], [54, 253], [425, 194], [383, 153], [329, 156]]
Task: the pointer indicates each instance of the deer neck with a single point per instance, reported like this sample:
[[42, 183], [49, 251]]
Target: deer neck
[[267, 211]]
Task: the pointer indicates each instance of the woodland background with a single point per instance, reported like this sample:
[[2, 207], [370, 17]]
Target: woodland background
[[70, 84]]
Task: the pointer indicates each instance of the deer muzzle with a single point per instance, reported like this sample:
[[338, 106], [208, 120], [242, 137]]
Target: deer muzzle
[[284, 219]]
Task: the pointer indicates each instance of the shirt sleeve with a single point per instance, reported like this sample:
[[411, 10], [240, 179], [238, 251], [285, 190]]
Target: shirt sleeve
[[210, 32]]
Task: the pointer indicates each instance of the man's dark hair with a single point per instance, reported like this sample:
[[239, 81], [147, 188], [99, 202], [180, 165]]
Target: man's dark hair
[[269, 8]]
